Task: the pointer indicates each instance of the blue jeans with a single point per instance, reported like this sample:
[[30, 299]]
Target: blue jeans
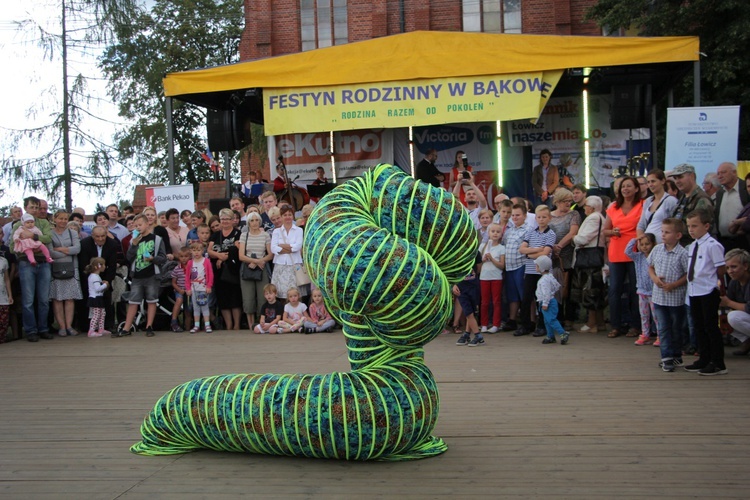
[[35, 281], [551, 322], [617, 273], [671, 323]]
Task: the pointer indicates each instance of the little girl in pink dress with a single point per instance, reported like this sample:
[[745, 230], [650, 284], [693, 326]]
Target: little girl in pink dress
[[28, 245]]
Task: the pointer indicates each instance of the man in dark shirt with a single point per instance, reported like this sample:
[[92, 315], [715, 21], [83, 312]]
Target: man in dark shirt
[[427, 171]]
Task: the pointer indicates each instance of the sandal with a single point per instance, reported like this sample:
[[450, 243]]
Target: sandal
[[614, 333], [633, 333], [457, 330]]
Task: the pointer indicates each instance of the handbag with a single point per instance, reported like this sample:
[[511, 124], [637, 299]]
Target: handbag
[[300, 275], [251, 274], [590, 257], [63, 270], [229, 274]]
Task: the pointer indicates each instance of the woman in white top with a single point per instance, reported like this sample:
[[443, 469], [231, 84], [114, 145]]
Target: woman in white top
[[286, 245], [588, 285], [656, 208]]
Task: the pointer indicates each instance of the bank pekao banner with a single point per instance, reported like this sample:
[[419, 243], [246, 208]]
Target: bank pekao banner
[[703, 137], [166, 197], [560, 129], [407, 103], [355, 152]]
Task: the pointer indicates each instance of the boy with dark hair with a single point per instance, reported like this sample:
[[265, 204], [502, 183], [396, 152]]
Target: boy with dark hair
[[706, 268]]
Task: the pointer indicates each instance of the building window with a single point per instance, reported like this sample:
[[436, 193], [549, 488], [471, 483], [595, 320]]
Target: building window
[[492, 16], [323, 23]]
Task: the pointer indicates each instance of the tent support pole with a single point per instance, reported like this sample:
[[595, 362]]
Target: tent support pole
[[697, 83], [654, 147], [228, 173], [170, 141]]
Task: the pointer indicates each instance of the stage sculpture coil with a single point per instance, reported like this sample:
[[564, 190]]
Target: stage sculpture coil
[[385, 250]]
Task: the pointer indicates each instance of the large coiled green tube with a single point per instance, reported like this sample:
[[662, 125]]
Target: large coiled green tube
[[385, 250]]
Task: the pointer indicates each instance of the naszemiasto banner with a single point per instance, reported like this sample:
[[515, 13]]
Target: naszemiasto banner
[[560, 129], [407, 103], [355, 151]]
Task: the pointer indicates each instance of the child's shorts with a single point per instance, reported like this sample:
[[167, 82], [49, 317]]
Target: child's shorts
[[469, 298], [513, 284], [147, 288]]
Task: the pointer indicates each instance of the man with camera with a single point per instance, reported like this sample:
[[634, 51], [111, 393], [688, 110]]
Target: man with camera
[[475, 200]]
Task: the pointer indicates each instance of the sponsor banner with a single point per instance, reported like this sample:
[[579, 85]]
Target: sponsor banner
[[407, 103], [560, 130], [163, 198], [703, 137], [355, 152]]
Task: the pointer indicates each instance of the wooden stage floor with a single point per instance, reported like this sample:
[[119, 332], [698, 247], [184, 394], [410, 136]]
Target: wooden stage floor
[[595, 419]]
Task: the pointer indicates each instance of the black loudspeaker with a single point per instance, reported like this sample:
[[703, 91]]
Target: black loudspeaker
[[228, 130], [216, 204], [631, 106]]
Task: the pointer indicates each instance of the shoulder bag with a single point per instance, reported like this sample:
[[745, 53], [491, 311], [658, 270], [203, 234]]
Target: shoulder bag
[[248, 273], [591, 256]]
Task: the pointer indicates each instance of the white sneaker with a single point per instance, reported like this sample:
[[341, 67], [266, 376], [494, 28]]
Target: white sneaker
[[492, 329], [484, 329]]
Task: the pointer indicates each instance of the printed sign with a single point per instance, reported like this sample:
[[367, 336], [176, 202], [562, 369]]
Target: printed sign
[[407, 103], [703, 137], [166, 197]]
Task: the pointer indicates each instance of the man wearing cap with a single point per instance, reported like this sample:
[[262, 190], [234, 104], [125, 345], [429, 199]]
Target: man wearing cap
[[693, 197], [35, 279], [729, 203]]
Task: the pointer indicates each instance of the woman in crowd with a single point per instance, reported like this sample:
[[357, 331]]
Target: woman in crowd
[[588, 283], [656, 207], [187, 218], [224, 255], [456, 174], [214, 224], [274, 213], [620, 226], [64, 291], [177, 233], [254, 252], [564, 223], [286, 245], [545, 178]]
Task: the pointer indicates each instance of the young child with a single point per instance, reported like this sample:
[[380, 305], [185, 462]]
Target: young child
[[199, 282], [514, 263], [504, 212], [706, 267], [6, 298], [491, 278], [467, 292], [667, 268], [537, 242], [179, 275], [546, 288], [96, 304], [638, 249], [146, 254], [485, 219], [317, 317], [293, 318], [204, 234], [272, 312], [28, 245]]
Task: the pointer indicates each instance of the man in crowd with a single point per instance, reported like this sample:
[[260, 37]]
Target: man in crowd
[[693, 197], [35, 278], [728, 205], [97, 245], [427, 171], [15, 216], [711, 185], [115, 227], [475, 200], [43, 212]]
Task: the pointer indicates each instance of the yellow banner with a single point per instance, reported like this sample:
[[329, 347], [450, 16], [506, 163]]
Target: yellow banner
[[407, 103]]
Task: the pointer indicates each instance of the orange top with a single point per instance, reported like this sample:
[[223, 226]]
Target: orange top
[[627, 224]]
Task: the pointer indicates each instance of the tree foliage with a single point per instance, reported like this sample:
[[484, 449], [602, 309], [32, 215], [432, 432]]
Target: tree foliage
[[72, 153], [176, 35], [722, 26]]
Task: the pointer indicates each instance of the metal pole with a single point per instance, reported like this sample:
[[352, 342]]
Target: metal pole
[[654, 148], [228, 173], [170, 141], [697, 83]]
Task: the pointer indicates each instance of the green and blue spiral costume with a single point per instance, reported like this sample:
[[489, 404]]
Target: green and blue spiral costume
[[384, 249]]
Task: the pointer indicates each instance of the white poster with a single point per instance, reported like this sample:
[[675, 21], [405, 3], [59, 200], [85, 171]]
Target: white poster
[[703, 137], [560, 130], [355, 152], [166, 197]]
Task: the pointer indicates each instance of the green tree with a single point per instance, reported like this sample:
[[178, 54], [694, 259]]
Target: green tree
[[72, 153], [176, 35], [722, 26]]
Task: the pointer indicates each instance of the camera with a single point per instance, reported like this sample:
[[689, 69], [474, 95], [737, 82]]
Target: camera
[[465, 175], [465, 159]]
